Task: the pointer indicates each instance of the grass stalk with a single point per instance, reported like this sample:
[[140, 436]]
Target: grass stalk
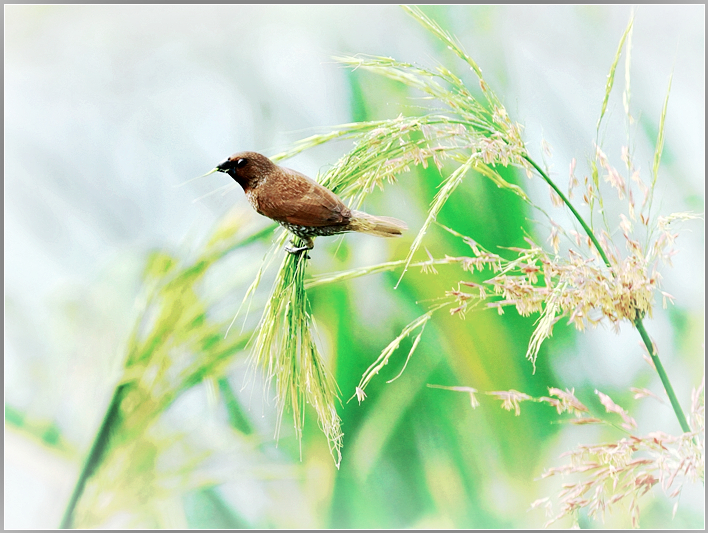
[[577, 216], [95, 455], [639, 324]]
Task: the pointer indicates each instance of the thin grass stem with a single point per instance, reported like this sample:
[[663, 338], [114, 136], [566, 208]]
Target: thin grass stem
[[577, 216], [639, 324]]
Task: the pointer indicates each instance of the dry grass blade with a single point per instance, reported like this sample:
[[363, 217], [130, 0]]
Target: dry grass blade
[[544, 327], [469, 390]]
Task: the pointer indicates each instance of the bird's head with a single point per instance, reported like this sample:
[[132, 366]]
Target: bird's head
[[247, 168]]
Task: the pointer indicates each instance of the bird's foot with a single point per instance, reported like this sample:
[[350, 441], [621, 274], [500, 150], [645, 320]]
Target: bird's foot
[[292, 249], [298, 250]]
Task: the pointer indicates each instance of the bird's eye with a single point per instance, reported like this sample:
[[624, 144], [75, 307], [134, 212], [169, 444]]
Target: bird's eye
[[240, 163]]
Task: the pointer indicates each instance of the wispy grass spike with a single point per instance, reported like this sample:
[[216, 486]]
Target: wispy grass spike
[[660, 138], [611, 76], [449, 186], [383, 359], [444, 36], [626, 98], [267, 261], [368, 270]]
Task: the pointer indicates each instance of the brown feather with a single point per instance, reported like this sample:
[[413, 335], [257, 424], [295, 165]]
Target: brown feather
[[288, 196]]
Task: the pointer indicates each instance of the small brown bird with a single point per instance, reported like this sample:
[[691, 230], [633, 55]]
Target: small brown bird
[[301, 205]]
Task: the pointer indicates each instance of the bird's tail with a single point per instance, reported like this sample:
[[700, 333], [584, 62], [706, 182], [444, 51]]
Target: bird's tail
[[379, 226]]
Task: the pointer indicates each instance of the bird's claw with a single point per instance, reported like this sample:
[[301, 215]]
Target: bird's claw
[[298, 250], [292, 249]]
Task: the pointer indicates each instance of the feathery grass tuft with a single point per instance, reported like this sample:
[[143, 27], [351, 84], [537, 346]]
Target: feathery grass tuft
[[285, 349]]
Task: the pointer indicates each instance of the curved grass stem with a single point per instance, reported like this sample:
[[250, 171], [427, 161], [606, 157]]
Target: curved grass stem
[[577, 216]]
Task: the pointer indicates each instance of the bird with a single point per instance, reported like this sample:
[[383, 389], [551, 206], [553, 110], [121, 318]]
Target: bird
[[300, 204]]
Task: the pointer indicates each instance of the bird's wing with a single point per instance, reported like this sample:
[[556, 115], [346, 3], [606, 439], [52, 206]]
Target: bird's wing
[[301, 201]]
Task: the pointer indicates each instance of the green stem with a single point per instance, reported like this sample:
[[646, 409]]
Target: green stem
[[98, 448], [638, 323], [573, 210], [662, 374]]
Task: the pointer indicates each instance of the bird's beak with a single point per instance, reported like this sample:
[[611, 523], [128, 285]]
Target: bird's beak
[[221, 167]]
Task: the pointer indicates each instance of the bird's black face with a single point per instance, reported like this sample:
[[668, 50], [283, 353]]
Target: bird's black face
[[246, 168], [232, 164]]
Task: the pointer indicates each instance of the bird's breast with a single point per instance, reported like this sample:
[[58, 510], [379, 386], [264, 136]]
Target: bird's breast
[[252, 198]]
